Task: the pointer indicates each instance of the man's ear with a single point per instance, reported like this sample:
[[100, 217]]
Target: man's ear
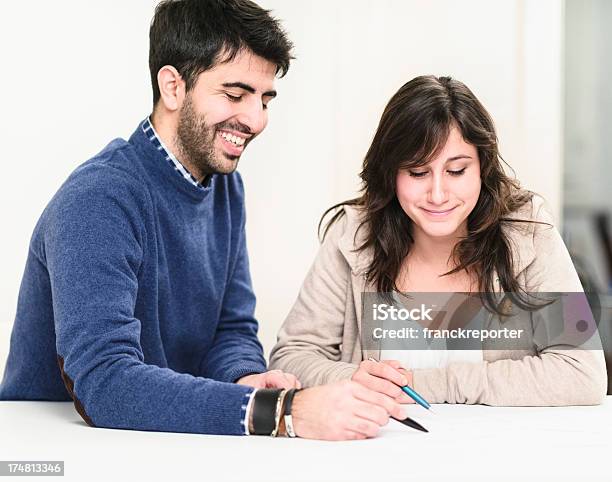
[[171, 87]]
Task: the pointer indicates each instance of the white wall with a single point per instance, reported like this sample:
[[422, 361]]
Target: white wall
[[587, 140], [352, 56], [74, 75], [588, 100]]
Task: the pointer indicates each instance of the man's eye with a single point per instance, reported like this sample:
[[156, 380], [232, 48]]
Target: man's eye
[[417, 174], [233, 98]]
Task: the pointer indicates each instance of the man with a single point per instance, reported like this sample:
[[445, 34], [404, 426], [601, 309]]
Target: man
[[137, 282]]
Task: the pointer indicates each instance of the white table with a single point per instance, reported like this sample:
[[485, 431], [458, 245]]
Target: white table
[[469, 443]]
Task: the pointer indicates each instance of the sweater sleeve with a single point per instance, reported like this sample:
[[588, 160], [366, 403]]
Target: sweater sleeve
[[236, 350], [93, 249], [557, 375]]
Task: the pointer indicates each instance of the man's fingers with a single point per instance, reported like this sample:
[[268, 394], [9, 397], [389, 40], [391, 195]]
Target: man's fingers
[[363, 426], [373, 413], [350, 435], [389, 404]]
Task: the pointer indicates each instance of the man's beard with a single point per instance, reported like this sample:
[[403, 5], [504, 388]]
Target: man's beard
[[195, 142]]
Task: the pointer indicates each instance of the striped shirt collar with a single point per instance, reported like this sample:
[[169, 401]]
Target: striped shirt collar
[[152, 135]]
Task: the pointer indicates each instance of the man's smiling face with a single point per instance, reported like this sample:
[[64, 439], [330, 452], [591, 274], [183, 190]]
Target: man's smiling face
[[223, 112]]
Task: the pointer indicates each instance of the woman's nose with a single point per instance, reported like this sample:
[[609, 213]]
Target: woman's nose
[[437, 191]]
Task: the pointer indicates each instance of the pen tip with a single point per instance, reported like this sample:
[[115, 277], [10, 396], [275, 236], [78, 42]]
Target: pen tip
[[412, 424]]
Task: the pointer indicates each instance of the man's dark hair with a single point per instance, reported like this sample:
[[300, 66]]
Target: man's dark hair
[[195, 35]]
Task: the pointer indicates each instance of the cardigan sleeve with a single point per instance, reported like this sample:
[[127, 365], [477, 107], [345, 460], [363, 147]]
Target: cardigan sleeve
[[556, 375]]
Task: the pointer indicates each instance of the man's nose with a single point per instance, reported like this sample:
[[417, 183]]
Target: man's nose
[[254, 116]]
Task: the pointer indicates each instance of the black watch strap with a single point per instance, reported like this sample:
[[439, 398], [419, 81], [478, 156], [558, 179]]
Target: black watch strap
[[264, 410], [287, 412], [289, 400]]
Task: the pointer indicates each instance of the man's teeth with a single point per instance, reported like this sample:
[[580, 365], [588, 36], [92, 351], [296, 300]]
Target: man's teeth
[[233, 139]]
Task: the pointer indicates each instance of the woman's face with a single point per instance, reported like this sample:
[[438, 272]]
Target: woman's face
[[439, 196]]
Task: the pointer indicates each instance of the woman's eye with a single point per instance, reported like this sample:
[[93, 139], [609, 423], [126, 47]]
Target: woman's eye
[[457, 173], [417, 174], [233, 98]]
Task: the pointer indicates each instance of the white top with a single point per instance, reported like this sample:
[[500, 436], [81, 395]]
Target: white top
[[434, 353], [418, 359]]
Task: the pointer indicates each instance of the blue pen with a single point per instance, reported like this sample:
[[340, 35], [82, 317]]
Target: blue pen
[[411, 393]]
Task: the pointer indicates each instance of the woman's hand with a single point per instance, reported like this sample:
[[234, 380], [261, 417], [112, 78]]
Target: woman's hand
[[384, 377], [270, 379], [343, 410]]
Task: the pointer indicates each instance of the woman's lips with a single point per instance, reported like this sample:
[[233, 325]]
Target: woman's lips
[[438, 213]]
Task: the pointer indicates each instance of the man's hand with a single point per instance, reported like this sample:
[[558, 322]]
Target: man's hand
[[384, 377], [271, 379], [342, 411]]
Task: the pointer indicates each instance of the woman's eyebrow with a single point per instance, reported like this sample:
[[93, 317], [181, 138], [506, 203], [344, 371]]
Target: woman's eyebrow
[[460, 156]]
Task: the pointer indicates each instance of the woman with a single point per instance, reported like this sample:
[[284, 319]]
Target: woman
[[438, 214]]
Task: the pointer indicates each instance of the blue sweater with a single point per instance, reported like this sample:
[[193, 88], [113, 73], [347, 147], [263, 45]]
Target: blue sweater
[[136, 301]]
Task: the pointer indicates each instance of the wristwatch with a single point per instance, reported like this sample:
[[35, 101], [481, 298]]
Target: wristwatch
[[287, 412]]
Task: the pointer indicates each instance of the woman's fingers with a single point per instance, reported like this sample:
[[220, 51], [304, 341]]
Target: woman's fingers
[[280, 379], [383, 370]]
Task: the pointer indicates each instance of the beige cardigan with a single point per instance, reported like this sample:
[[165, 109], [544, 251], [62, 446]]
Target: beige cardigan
[[319, 341]]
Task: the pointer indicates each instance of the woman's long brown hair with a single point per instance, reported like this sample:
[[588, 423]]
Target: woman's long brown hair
[[412, 130]]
